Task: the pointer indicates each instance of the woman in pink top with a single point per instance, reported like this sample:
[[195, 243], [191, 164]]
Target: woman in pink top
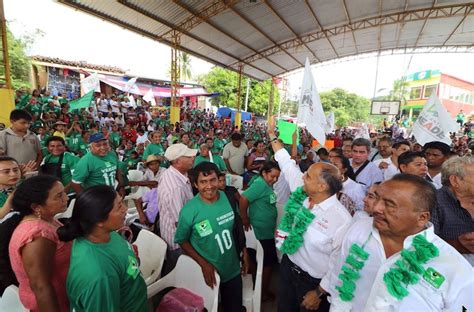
[[38, 258]]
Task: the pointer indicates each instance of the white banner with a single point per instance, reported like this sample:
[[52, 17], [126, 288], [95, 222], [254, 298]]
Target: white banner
[[150, 97], [90, 83], [330, 123], [434, 123], [310, 110], [130, 85]]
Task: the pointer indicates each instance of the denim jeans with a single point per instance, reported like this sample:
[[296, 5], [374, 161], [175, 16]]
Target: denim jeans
[[293, 285]]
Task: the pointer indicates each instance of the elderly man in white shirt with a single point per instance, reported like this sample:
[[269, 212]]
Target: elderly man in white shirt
[[311, 229], [174, 192], [395, 262]]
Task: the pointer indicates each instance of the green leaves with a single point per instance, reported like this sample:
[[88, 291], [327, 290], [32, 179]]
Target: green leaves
[[225, 82]]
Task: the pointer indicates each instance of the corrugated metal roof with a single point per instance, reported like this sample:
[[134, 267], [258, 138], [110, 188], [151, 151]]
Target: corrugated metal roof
[[271, 37]]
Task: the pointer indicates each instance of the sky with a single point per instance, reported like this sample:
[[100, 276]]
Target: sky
[[75, 36]]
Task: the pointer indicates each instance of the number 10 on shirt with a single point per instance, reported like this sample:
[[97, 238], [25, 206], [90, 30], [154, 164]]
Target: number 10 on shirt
[[226, 239]]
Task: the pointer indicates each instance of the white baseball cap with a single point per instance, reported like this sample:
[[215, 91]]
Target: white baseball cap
[[178, 150]]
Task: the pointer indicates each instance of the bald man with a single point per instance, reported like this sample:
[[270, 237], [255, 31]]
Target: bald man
[[308, 241]]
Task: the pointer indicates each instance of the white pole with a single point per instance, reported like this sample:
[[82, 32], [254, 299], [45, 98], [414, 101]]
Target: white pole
[[247, 94]]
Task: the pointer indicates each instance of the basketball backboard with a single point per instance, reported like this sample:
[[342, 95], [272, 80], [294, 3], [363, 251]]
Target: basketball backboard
[[385, 108]]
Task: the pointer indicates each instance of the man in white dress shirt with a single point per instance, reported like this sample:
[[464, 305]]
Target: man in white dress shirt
[[365, 172], [302, 269], [441, 281]]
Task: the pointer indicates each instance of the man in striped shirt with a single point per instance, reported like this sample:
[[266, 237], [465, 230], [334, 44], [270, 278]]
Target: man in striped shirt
[[174, 191]]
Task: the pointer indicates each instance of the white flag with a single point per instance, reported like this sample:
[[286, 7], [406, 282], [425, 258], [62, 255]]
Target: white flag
[[150, 97], [130, 85], [310, 110], [90, 83], [362, 132], [330, 123], [132, 103], [434, 123]]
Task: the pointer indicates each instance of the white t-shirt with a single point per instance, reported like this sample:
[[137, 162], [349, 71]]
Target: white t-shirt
[[236, 157], [115, 106]]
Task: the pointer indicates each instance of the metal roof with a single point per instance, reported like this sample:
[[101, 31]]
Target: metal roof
[[272, 37]]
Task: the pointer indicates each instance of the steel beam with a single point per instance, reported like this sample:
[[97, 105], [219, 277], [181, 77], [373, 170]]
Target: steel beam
[[185, 32], [350, 22], [290, 29], [320, 26], [213, 25], [263, 34], [387, 19], [457, 26]]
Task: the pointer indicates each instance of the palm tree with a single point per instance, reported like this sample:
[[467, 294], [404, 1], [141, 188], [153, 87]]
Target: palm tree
[[185, 66]]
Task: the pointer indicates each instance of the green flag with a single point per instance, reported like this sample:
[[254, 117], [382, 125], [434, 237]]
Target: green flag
[[286, 130], [83, 102]]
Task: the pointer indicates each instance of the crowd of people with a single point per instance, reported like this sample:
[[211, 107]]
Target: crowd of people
[[378, 223]]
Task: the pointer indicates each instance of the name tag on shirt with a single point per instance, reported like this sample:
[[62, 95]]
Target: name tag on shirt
[[433, 277]]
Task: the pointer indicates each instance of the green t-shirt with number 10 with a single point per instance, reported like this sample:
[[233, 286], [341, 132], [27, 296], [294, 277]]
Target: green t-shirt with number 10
[[208, 228], [92, 170]]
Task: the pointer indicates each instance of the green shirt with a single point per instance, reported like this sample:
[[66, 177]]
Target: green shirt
[[73, 141], [83, 147], [35, 109], [218, 146], [67, 166], [94, 170], [262, 209], [115, 139], [208, 228], [153, 149], [105, 277], [215, 158]]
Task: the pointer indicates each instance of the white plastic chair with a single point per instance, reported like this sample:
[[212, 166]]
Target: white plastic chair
[[234, 180], [10, 301], [133, 176], [252, 296], [68, 212], [187, 274], [152, 252]]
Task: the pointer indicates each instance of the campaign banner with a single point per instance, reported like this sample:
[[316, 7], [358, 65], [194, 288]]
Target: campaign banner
[[310, 110], [434, 123]]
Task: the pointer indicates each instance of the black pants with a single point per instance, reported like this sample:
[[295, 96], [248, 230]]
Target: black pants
[[231, 295], [293, 285]]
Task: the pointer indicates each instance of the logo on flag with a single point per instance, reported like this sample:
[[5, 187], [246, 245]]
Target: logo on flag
[[434, 123], [310, 110]]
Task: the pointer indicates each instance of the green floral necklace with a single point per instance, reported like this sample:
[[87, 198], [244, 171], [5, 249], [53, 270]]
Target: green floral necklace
[[295, 222], [406, 270]]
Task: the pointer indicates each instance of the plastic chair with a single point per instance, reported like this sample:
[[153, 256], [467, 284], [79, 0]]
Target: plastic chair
[[10, 301], [68, 212], [234, 180], [152, 252], [187, 274], [133, 176], [252, 296]]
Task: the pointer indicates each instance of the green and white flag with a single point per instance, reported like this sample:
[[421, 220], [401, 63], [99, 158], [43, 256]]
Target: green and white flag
[[434, 123], [83, 102]]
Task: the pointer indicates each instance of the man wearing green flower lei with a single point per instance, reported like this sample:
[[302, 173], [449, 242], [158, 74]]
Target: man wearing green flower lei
[[395, 262], [310, 232]]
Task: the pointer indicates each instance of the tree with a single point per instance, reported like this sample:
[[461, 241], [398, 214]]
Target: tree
[[20, 63], [347, 107], [185, 70], [224, 82], [185, 66]]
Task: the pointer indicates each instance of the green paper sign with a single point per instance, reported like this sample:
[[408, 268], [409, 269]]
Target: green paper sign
[[286, 130]]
